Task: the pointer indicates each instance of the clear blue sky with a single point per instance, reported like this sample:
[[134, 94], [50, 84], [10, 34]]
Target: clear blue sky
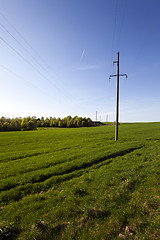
[[56, 57]]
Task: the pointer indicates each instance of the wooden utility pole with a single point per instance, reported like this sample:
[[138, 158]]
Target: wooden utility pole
[[117, 99]]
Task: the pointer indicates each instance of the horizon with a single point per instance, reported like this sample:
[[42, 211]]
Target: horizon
[[93, 120]]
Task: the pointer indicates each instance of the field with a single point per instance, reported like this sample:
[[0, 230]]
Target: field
[[80, 183]]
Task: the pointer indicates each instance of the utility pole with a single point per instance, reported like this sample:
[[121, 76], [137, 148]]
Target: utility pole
[[117, 99]]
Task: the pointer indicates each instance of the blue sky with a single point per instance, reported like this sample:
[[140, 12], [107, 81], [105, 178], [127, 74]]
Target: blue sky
[[56, 58]]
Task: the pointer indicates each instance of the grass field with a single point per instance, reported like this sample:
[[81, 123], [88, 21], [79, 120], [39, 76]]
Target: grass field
[[80, 183]]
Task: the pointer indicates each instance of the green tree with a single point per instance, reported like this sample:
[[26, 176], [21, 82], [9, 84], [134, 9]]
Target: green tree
[[47, 122], [15, 125], [24, 124], [29, 124], [42, 121]]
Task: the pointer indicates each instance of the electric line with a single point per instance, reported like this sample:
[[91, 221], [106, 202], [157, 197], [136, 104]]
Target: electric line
[[121, 21], [25, 50], [20, 55], [118, 23], [22, 47], [28, 62], [62, 87], [114, 29], [149, 33], [22, 78], [4, 17]]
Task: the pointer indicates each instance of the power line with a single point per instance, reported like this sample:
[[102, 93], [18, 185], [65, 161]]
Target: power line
[[149, 34], [4, 17], [27, 62], [19, 54], [121, 21], [118, 23], [114, 29], [44, 69], [22, 46], [22, 78]]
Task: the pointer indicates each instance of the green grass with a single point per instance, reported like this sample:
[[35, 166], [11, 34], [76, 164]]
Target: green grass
[[80, 183]]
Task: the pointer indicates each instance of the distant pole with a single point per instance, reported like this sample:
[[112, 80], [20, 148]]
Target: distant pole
[[117, 98], [107, 118]]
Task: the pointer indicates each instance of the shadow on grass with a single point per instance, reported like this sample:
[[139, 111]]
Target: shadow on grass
[[9, 232], [42, 231], [97, 161]]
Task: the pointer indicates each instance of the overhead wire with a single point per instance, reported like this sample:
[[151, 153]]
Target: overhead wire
[[67, 94], [24, 79], [122, 12], [119, 11], [22, 37], [117, 29], [40, 57], [113, 51], [118, 23], [114, 29], [22, 46], [149, 34], [20, 55]]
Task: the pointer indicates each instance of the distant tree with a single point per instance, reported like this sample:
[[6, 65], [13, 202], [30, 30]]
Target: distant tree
[[46, 122], [79, 121], [6, 126], [75, 121], [69, 123], [60, 123], [32, 124], [52, 122], [24, 124], [15, 125], [28, 124], [38, 122], [42, 121], [3, 120], [83, 123], [56, 123]]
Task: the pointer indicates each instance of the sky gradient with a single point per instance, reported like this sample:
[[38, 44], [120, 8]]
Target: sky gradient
[[56, 58]]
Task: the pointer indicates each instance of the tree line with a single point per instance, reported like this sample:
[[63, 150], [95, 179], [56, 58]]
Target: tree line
[[31, 123], [18, 124]]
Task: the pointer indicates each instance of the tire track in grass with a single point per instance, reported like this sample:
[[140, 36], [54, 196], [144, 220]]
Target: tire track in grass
[[26, 155], [29, 165], [59, 167], [44, 182]]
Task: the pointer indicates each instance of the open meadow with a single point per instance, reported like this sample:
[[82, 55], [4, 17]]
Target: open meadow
[[80, 184]]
